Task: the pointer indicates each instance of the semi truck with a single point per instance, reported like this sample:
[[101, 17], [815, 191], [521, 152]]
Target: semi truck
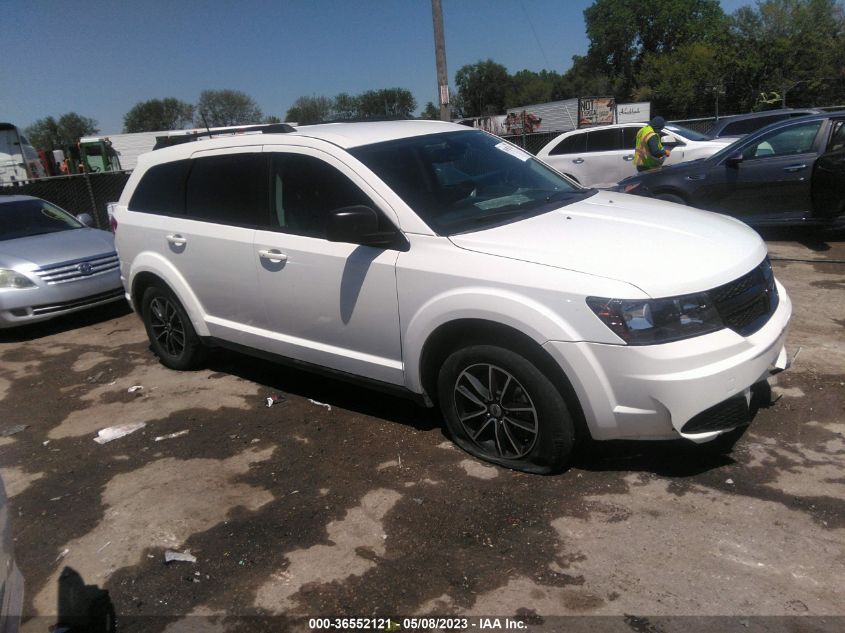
[[18, 159]]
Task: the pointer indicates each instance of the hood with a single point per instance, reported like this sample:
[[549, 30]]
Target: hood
[[54, 248], [660, 247]]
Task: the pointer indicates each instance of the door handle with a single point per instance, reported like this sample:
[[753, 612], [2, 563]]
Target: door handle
[[794, 168], [176, 239], [272, 255], [628, 157], [577, 161]]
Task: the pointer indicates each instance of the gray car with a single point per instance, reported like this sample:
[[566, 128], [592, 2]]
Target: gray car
[[51, 263]]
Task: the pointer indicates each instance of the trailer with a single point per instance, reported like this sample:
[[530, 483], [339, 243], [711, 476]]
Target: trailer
[[120, 152], [18, 159]]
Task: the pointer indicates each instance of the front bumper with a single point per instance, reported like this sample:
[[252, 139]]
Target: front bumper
[[42, 302], [652, 392]]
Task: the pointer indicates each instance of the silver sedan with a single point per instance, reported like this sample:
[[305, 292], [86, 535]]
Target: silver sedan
[[51, 263]]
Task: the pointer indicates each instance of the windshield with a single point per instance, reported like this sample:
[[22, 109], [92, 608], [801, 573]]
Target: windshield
[[687, 133], [24, 218], [465, 181]]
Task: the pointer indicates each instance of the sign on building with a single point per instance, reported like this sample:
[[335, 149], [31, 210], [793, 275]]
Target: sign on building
[[596, 111], [633, 112]]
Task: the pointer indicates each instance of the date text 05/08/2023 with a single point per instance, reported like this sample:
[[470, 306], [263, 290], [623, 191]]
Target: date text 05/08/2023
[[411, 624]]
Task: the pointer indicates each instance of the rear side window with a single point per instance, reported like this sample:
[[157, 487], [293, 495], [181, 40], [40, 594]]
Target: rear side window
[[604, 141], [161, 190], [230, 189], [575, 144]]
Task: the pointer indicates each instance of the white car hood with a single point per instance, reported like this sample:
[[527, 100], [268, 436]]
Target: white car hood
[[663, 248]]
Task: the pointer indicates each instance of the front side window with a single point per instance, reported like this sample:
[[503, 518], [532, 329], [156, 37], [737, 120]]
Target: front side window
[[25, 218], [162, 189], [228, 189], [465, 181], [305, 190], [796, 139]]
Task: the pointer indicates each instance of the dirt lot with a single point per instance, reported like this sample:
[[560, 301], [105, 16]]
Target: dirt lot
[[361, 507]]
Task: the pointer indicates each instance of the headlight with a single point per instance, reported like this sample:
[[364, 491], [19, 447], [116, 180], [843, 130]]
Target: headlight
[[654, 321], [13, 279]]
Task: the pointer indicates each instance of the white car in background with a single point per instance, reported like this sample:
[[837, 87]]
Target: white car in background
[[602, 156]]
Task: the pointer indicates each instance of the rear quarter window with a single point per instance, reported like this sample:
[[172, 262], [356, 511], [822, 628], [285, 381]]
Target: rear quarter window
[[161, 189]]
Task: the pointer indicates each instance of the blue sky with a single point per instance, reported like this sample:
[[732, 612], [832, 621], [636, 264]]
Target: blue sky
[[99, 58]]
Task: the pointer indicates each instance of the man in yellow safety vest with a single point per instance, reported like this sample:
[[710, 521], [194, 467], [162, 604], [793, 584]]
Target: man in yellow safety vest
[[649, 152]]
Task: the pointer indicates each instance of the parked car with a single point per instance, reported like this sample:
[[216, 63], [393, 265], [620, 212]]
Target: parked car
[[443, 263], [734, 127], [788, 172], [11, 580], [602, 156], [51, 263]]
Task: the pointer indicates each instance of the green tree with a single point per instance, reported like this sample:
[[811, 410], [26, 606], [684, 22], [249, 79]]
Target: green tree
[[390, 103], [158, 114], [623, 32], [430, 111], [345, 106], [73, 126], [307, 110], [270, 118], [482, 88], [44, 134], [226, 107], [681, 84], [794, 48]]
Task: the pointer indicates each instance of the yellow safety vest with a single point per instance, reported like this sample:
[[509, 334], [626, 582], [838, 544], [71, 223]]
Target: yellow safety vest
[[642, 157]]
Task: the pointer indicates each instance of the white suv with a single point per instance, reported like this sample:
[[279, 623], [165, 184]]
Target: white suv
[[445, 263], [602, 156]]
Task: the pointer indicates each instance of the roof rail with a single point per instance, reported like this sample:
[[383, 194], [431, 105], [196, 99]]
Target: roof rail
[[178, 139]]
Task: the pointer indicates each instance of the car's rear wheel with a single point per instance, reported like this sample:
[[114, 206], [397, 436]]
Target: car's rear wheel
[[671, 197], [172, 337], [501, 408]]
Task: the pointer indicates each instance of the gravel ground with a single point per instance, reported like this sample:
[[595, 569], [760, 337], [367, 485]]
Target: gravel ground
[[360, 507]]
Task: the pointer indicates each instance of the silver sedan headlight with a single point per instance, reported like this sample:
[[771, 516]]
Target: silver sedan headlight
[[14, 279]]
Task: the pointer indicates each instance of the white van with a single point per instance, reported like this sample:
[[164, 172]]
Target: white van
[[18, 159]]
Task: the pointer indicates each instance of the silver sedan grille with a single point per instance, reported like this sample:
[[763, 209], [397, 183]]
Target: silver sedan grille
[[77, 269]]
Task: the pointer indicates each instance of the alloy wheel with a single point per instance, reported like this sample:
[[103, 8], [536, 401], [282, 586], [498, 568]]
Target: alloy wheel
[[167, 326], [495, 411]]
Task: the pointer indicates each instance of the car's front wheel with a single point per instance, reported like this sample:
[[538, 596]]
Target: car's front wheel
[[172, 337], [501, 408]]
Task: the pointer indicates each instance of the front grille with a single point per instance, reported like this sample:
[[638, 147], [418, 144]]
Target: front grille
[[78, 269], [77, 303], [725, 415], [746, 304]]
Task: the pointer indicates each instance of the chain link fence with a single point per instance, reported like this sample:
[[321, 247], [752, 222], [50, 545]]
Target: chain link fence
[[531, 142], [80, 193]]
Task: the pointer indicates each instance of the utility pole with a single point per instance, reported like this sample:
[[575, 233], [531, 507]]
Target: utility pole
[[440, 55]]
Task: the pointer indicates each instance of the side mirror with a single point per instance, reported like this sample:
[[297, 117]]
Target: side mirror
[[86, 219], [357, 224], [734, 160]]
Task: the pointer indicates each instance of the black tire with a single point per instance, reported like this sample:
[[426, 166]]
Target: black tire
[[172, 336], [535, 437], [671, 197]]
